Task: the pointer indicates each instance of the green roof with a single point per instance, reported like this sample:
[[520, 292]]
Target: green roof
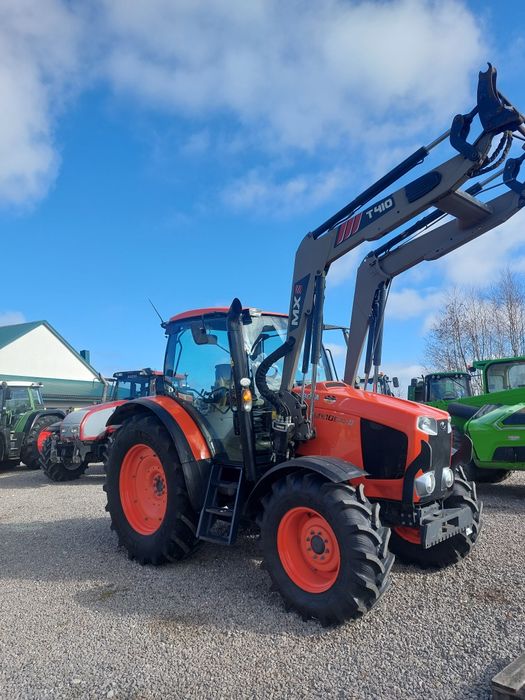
[[8, 334]]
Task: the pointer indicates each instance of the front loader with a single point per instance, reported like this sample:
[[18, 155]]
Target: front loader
[[263, 431]]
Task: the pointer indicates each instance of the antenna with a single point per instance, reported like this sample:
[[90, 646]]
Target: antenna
[[162, 322]]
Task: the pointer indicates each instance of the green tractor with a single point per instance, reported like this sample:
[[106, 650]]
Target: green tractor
[[494, 419], [24, 421]]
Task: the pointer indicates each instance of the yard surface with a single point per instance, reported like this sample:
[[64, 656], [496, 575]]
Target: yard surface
[[79, 620]]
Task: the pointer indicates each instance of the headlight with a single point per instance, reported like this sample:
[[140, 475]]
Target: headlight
[[447, 480], [427, 425], [425, 484]]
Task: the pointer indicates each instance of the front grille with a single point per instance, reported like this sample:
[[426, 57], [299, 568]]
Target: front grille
[[509, 454], [441, 445], [384, 450]]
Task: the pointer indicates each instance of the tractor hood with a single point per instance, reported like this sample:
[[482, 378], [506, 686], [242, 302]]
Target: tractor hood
[[342, 398], [87, 424]]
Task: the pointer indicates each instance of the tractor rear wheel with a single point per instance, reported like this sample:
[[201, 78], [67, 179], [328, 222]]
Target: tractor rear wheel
[[324, 548], [486, 476], [62, 470], [31, 451], [406, 541], [147, 497]]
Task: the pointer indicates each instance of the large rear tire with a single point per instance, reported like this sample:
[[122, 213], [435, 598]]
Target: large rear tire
[[62, 470], [406, 541], [486, 476], [147, 497], [324, 548], [31, 451]]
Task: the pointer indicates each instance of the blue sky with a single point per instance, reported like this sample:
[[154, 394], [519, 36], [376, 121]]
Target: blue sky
[[179, 150]]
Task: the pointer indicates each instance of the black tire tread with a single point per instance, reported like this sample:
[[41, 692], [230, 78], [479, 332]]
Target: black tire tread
[[365, 540], [486, 476], [30, 454], [57, 471], [177, 539], [452, 550]]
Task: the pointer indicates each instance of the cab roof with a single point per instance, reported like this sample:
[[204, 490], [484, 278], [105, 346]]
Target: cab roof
[[198, 313]]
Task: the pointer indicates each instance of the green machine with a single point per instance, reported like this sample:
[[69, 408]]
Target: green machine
[[494, 419], [24, 421]]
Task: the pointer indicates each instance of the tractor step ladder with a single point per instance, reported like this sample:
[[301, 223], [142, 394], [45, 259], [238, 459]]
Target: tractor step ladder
[[219, 518]]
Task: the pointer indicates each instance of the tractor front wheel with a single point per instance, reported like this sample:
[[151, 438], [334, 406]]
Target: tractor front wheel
[[406, 541], [31, 451], [486, 476], [324, 548], [64, 469], [147, 497]]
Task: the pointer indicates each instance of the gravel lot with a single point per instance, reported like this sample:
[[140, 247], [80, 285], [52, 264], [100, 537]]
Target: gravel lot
[[78, 620]]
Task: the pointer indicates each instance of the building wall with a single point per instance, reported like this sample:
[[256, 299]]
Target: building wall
[[40, 353]]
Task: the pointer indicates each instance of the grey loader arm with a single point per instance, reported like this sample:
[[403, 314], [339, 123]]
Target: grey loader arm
[[437, 191]]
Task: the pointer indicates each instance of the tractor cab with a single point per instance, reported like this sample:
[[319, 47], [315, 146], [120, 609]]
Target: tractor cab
[[440, 386], [503, 374], [133, 384], [198, 365], [18, 399]]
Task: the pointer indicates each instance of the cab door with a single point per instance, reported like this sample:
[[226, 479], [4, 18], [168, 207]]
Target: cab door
[[198, 356]]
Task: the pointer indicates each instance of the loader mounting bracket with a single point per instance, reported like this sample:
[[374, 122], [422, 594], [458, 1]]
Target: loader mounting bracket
[[496, 114]]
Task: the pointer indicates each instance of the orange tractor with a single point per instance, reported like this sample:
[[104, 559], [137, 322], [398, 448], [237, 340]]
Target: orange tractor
[[263, 431]]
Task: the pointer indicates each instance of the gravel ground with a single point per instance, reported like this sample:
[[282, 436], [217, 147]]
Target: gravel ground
[[79, 620]]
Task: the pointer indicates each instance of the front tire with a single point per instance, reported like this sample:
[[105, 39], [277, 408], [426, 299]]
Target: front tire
[[147, 497], [406, 541], [486, 476], [324, 548], [62, 470], [30, 454]]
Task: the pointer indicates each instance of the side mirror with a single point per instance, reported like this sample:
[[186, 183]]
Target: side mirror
[[395, 382]]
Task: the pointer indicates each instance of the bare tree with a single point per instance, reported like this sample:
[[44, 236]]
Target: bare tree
[[476, 325]]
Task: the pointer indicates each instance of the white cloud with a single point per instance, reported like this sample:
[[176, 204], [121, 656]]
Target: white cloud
[[411, 303], [257, 192], [306, 86], [404, 373], [38, 59], [10, 318], [478, 263], [299, 75]]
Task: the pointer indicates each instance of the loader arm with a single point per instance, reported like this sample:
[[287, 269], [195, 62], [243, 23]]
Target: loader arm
[[360, 221], [380, 267]]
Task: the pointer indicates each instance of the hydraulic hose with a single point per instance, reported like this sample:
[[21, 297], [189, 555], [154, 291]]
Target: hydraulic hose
[[262, 371]]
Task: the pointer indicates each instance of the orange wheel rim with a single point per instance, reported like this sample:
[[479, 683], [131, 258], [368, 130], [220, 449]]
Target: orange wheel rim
[[42, 437], [308, 550], [410, 534], [143, 489]]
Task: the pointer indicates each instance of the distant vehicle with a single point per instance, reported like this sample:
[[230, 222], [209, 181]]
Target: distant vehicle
[[494, 419], [23, 422], [383, 384], [82, 438], [440, 386]]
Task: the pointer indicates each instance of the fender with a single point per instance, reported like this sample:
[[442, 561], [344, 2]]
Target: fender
[[333, 469], [32, 417], [190, 443]]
